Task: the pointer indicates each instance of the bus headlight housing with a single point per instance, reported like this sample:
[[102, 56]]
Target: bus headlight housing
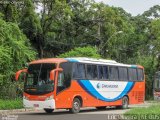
[[26, 98], [49, 98]]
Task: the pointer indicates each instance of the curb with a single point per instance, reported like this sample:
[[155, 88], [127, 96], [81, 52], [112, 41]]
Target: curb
[[15, 111]]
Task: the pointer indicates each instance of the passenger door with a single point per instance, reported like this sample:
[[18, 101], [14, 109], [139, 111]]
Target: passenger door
[[63, 83]]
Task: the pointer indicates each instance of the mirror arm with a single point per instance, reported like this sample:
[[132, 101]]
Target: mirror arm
[[52, 73], [19, 72]]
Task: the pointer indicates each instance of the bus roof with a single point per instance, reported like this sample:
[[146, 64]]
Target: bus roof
[[83, 60], [49, 60], [100, 61]]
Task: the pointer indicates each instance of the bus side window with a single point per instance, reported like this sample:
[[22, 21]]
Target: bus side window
[[132, 74], [113, 73], [140, 74], [123, 74], [100, 72], [92, 72], [61, 80], [106, 72], [79, 71]]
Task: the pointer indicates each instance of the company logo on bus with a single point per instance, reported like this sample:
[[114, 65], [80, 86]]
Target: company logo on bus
[[99, 85]]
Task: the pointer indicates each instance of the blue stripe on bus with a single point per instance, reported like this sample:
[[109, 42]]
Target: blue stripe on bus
[[133, 66], [71, 60], [85, 84]]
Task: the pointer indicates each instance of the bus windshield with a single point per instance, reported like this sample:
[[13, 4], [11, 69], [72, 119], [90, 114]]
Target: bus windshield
[[37, 79]]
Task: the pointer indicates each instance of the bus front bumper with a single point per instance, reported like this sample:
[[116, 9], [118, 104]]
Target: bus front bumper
[[50, 104]]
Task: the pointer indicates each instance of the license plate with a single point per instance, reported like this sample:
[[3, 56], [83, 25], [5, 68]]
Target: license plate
[[36, 105]]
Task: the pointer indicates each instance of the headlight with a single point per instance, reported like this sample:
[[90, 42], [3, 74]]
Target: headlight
[[26, 98], [49, 98]]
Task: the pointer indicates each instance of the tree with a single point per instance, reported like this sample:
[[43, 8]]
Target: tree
[[153, 12], [31, 26], [54, 23], [111, 21], [15, 52], [10, 10], [81, 52], [155, 41]]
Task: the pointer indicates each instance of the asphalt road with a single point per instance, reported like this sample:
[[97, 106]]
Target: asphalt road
[[85, 114]]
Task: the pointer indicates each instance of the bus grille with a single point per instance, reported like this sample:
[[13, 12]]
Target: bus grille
[[139, 96]]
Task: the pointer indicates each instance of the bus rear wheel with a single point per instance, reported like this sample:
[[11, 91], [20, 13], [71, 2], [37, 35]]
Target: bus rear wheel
[[47, 110], [76, 105], [125, 103]]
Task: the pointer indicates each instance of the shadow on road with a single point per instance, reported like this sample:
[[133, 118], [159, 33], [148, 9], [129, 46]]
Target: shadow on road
[[83, 110]]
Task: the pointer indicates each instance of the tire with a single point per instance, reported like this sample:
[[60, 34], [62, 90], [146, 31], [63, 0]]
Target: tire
[[47, 110], [76, 105], [101, 108], [125, 103]]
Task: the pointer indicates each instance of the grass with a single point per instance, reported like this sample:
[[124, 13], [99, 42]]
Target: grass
[[149, 113], [11, 104]]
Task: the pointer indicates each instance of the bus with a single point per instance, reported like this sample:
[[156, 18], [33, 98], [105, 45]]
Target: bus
[[156, 86], [73, 83]]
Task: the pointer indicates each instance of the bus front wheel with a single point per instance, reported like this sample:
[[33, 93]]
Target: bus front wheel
[[48, 110], [76, 105]]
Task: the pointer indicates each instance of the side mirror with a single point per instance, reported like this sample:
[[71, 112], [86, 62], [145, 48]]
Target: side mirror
[[19, 72], [52, 73]]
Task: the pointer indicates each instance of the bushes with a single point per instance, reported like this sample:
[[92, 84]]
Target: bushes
[[15, 51], [82, 52], [11, 104]]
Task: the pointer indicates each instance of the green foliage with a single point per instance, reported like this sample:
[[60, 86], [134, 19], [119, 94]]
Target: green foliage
[[153, 12], [11, 104], [148, 113], [15, 52], [30, 24], [155, 27], [155, 33], [9, 10], [149, 63], [155, 43], [56, 22], [81, 52]]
